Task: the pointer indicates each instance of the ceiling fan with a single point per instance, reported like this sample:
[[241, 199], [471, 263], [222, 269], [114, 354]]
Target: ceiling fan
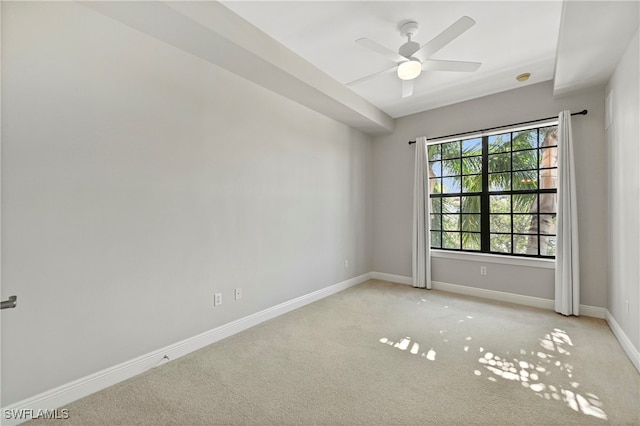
[[412, 59]]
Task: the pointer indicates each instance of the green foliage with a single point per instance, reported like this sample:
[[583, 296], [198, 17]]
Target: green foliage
[[456, 167]]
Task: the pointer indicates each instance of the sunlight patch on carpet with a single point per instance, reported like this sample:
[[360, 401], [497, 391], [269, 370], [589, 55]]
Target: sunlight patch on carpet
[[536, 369], [404, 343], [545, 371]]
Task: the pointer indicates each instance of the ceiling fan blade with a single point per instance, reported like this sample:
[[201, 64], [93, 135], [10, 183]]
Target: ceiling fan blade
[[444, 38], [460, 66], [407, 88], [387, 53], [369, 77]]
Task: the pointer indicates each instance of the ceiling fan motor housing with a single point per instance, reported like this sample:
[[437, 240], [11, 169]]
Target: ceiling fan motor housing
[[409, 30], [408, 49]]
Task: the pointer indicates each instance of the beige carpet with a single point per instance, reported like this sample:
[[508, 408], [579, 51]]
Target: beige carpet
[[382, 354]]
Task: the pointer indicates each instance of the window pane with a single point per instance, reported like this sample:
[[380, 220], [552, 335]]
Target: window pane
[[472, 183], [472, 147], [548, 157], [499, 163], [547, 224], [525, 223], [548, 136], [471, 222], [451, 204], [451, 149], [434, 152], [500, 182], [471, 241], [436, 222], [548, 202], [451, 185], [525, 160], [436, 239], [525, 180], [548, 178], [451, 240], [500, 203], [435, 185], [500, 143], [548, 246], [436, 168], [451, 167], [471, 165], [523, 203], [471, 204], [500, 223], [525, 139], [525, 244], [436, 204], [451, 222], [500, 243]]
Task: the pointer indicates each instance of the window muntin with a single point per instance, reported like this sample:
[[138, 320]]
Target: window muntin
[[495, 194]]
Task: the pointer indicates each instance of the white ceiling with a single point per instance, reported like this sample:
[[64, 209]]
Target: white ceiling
[[306, 50], [509, 38], [593, 38]]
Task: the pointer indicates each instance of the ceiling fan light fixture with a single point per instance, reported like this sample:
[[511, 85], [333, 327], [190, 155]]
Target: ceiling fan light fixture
[[409, 70]]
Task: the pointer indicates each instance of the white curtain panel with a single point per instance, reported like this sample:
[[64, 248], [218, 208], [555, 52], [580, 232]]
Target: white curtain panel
[[567, 301], [421, 218]]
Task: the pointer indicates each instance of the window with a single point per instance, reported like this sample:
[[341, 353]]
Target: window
[[495, 193]]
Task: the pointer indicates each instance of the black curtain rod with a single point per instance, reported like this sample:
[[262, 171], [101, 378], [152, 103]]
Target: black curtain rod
[[583, 112]]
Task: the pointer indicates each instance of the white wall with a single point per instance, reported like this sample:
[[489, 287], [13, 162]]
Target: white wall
[[137, 180], [623, 137], [393, 185]]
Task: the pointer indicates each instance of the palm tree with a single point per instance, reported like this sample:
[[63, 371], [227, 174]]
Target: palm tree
[[546, 202], [459, 164]]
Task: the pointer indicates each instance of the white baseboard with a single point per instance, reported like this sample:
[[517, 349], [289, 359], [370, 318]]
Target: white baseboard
[[593, 311], [586, 310], [624, 340], [399, 279], [519, 299], [501, 296], [85, 386]]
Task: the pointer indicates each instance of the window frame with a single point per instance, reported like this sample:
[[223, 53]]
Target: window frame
[[486, 232]]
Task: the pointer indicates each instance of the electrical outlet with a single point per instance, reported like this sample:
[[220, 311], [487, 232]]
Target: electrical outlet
[[217, 299], [483, 270], [238, 293], [346, 263]]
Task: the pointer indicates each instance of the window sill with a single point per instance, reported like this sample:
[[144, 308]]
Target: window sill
[[494, 258]]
